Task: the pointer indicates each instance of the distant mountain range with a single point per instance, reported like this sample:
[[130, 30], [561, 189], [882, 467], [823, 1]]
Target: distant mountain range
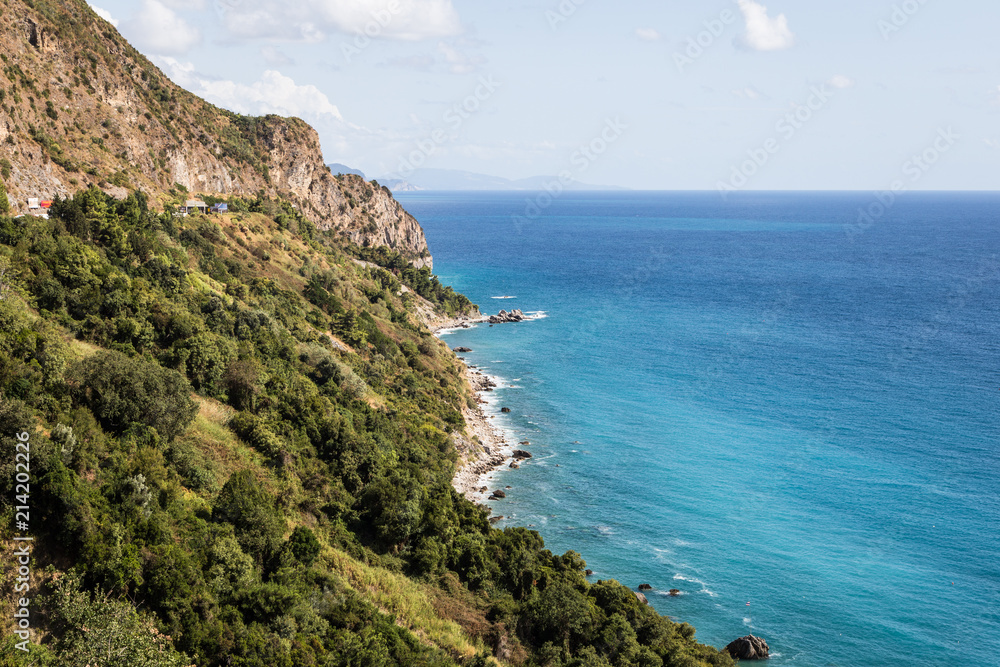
[[454, 179]]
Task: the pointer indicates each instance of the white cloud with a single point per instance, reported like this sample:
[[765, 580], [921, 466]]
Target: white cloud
[[312, 20], [105, 14], [841, 81], [157, 29], [647, 34], [764, 33], [272, 93]]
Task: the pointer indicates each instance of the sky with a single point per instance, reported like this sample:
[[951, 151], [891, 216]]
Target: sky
[[672, 95]]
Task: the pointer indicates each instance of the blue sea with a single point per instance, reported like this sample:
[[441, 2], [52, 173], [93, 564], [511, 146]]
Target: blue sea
[[767, 399]]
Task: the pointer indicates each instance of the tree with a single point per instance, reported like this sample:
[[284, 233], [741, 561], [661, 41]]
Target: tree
[[122, 391], [206, 356], [258, 525], [103, 221], [304, 545], [96, 629], [4, 202]]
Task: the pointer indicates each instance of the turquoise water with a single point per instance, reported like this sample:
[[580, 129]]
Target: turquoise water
[[750, 402]]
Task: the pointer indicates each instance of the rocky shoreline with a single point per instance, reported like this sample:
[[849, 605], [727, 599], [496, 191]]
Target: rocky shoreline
[[483, 448]]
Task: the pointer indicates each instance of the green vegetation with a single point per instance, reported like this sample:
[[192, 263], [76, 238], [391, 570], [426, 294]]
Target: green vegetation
[[421, 280], [241, 455]]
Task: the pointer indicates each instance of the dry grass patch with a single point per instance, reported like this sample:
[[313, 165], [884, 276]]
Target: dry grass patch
[[411, 603]]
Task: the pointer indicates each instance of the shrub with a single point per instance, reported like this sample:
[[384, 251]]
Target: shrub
[[122, 391]]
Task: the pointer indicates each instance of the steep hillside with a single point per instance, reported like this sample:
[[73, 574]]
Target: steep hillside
[[80, 106], [241, 446]]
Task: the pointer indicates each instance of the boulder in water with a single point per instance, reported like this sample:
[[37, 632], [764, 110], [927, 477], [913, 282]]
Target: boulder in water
[[748, 648], [645, 587], [504, 317]]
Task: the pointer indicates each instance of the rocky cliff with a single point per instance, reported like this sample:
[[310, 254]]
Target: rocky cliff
[[80, 106]]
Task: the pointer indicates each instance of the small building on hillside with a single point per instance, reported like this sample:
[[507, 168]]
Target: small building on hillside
[[193, 206], [39, 207], [221, 207]]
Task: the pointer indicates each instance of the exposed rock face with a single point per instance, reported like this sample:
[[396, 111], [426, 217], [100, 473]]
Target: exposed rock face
[[641, 597], [748, 648], [121, 124], [481, 382], [503, 317]]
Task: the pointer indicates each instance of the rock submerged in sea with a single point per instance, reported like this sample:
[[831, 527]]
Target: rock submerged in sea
[[504, 410], [499, 494], [462, 349], [521, 454], [645, 587], [589, 572], [748, 648], [674, 592], [514, 465]]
